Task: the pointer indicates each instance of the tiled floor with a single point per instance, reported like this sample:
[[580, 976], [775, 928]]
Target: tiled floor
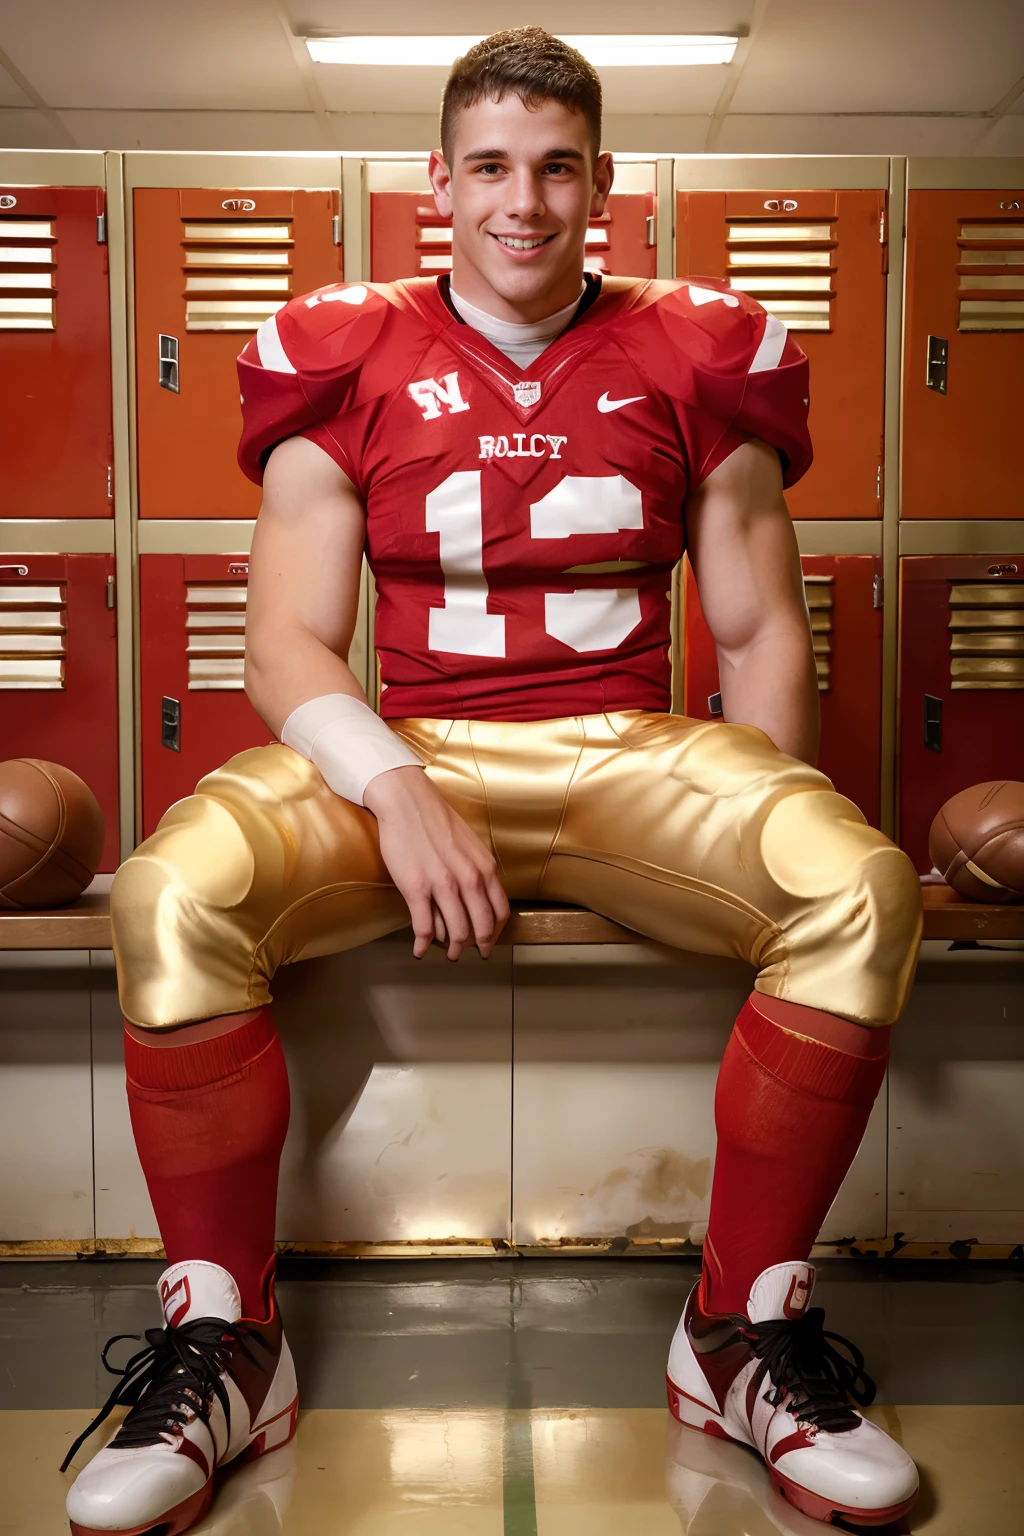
[[524, 1399]]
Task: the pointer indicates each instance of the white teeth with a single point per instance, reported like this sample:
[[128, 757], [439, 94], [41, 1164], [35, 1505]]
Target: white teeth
[[521, 245]]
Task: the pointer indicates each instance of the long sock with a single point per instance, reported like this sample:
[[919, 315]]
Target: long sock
[[209, 1108], [794, 1094]]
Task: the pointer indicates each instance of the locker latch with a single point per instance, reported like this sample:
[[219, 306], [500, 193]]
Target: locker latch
[[101, 229], [336, 229], [715, 704], [168, 376], [932, 723], [170, 724], [878, 592], [938, 364], [111, 592], [652, 231]]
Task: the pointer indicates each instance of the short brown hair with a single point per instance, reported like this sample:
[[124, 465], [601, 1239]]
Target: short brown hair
[[531, 63]]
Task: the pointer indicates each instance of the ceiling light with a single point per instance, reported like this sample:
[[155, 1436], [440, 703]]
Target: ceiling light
[[604, 52]]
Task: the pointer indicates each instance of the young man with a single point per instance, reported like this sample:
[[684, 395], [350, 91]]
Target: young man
[[523, 453]]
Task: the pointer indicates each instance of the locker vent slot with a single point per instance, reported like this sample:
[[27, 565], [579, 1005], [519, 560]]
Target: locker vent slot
[[787, 267], [817, 591], [33, 627], [28, 274], [215, 637], [999, 301], [241, 268], [986, 643], [434, 243]]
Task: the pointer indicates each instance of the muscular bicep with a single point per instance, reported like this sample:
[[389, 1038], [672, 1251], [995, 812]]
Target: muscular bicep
[[742, 546], [307, 551]]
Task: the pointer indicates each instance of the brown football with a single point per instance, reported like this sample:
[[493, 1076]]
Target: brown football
[[51, 834], [977, 841]]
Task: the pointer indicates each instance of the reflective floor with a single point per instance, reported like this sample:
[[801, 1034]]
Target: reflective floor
[[524, 1398]]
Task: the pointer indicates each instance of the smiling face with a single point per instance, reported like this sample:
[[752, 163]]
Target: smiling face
[[521, 190]]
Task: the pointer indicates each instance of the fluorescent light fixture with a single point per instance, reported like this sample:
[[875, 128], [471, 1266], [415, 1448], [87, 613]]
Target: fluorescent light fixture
[[603, 51]]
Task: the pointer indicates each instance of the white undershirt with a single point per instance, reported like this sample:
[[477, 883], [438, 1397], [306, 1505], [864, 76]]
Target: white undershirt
[[521, 344]]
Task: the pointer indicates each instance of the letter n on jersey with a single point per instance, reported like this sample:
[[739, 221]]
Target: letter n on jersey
[[429, 395]]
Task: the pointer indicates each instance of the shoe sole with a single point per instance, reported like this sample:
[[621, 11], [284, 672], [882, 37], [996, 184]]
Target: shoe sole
[[808, 1503], [174, 1522]]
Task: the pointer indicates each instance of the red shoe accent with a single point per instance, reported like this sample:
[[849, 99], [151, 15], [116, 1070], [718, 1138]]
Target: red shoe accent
[[824, 1509], [259, 1446], [174, 1523], [709, 1427]]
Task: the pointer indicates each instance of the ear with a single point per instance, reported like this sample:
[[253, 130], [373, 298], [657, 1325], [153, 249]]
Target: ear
[[440, 181], [604, 175]]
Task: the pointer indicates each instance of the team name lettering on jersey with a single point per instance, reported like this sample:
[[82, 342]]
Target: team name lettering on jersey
[[541, 446], [429, 395]]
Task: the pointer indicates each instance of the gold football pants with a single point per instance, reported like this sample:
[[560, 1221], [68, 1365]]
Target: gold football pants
[[698, 834]]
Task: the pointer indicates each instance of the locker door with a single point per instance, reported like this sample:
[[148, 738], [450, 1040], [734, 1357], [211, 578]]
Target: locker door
[[842, 596], [818, 261], [195, 714], [961, 682], [55, 426], [58, 671], [210, 267], [409, 239], [964, 355]]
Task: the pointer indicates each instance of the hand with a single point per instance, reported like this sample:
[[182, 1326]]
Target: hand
[[442, 869]]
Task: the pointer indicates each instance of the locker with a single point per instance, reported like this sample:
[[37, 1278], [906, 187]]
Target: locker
[[844, 600], [195, 714], [961, 682], [55, 429], [964, 354], [58, 671], [210, 266], [817, 260], [408, 238]]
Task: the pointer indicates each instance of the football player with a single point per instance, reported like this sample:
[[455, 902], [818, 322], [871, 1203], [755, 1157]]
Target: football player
[[522, 451]]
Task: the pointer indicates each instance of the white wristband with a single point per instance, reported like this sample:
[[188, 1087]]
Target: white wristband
[[347, 741]]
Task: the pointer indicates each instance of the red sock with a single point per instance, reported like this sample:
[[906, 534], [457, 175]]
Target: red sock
[[794, 1094], [210, 1116]]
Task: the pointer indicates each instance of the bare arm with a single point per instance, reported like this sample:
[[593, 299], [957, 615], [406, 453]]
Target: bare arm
[[304, 572], [744, 554]]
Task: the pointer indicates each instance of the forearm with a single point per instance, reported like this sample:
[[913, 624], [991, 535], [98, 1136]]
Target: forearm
[[290, 668], [772, 684]]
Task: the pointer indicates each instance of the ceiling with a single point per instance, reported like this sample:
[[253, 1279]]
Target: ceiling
[[811, 76]]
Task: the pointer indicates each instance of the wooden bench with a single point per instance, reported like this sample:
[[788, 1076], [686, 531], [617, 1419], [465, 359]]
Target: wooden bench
[[86, 923]]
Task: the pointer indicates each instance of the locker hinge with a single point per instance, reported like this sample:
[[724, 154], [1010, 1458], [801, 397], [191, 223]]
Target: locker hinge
[[336, 229], [168, 364], [170, 724], [111, 592], [110, 482], [101, 229], [881, 227], [938, 364], [652, 230], [932, 723], [879, 483], [878, 592]]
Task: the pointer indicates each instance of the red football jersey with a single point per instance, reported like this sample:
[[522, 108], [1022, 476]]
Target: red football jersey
[[522, 528]]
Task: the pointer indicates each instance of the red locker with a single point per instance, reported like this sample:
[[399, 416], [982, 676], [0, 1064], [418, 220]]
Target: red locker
[[964, 354], [56, 446], [195, 714], [961, 682], [58, 671], [844, 600], [210, 267], [408, 238], [817, 260]]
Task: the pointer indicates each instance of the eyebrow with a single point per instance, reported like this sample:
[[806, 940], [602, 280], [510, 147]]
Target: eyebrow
[[502, 154]]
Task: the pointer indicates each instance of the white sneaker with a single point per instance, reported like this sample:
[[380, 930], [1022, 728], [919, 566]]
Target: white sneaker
[[773, 1381], [211, 1388], [715, 1487]]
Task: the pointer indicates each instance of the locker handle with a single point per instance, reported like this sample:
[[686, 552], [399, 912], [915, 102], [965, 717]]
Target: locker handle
[[240, 569], [170, 724], [932, 723], [1002, 570], [1012, 206], [7, 201], [781, 205], [937, 370], [168, 364], [239, 205], [13, 570]]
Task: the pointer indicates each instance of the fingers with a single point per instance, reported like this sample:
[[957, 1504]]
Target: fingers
[[454, 918], [421, 911]]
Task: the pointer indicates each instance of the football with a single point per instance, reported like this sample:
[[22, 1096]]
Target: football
[[51, 834], [977, 841]]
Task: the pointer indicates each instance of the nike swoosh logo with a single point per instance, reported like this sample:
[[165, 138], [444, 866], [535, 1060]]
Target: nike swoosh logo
[[605, 405]]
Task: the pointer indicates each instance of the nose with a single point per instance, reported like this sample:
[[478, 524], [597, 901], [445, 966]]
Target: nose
[[524, 195]]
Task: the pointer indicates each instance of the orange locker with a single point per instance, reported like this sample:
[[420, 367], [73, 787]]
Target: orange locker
[[961, 682], [56, 447], [195, 714], [817, 260], [409, 239], [58, 671], [964, 354], [210, 267], [844, 595]]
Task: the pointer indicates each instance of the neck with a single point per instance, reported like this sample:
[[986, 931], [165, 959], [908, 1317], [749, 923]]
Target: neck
[[472, 287]]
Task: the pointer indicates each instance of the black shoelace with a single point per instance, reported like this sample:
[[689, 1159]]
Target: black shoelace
[[176, 1377], [800, 1359]]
